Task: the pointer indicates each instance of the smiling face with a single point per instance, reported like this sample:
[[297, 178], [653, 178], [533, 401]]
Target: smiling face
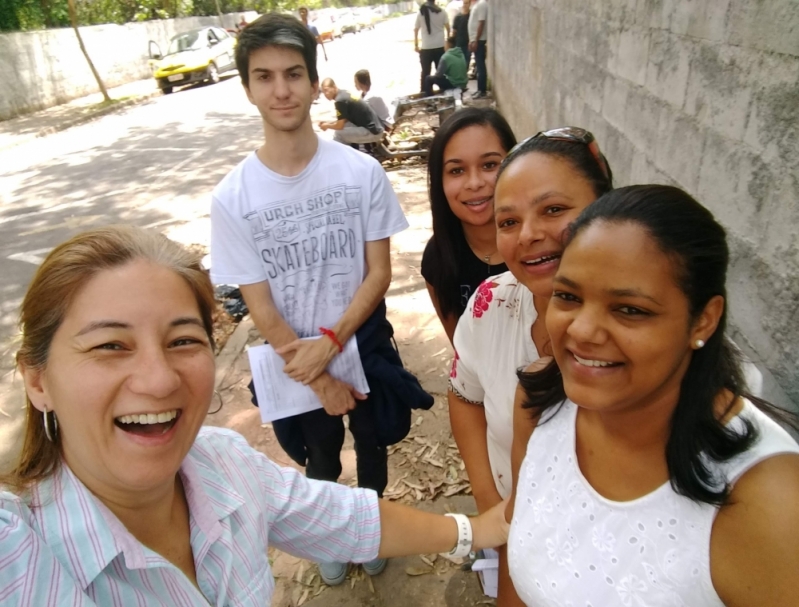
[[129, 375], [536, 198], [280, 87], [471, 161], [620, 325]]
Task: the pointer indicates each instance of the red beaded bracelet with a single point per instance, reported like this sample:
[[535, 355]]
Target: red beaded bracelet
[[332, 335]]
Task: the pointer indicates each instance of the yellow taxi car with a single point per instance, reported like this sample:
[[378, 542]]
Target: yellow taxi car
[[193, 56]]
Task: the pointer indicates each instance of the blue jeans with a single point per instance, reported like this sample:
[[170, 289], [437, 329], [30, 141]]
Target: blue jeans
[[467, 54], [480, 65]]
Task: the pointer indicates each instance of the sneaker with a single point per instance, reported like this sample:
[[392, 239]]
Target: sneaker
[[479, 95], [375, 567], [333, 574]]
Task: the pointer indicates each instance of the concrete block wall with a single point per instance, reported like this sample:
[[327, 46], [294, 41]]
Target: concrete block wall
[[701, 94], [44, 68]]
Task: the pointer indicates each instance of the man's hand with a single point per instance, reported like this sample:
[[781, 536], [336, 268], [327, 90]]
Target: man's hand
[[336, 396], [311, 357], [323, 126], [473, 46]]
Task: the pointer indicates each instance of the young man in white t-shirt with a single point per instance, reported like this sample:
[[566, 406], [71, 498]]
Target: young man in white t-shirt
[[478, 39], [302, 225]]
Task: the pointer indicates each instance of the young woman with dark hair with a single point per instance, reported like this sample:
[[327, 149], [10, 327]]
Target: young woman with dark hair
[[543, 185], [652, 477], [461, 171]]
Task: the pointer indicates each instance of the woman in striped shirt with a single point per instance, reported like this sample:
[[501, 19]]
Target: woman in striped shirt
[[119, 497]]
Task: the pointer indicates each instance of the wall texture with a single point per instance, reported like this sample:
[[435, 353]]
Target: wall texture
[[702, 94]]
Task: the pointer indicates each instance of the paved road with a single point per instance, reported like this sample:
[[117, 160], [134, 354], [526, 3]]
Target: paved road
[[153, 165]]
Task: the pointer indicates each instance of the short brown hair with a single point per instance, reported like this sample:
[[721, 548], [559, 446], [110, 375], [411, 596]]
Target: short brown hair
[[63, 273]]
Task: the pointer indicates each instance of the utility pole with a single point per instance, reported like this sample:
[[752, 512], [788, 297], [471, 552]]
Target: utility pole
[[73, 17]]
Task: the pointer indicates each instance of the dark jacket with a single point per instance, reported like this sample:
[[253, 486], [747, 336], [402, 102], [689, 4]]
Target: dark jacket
[[393, 391]]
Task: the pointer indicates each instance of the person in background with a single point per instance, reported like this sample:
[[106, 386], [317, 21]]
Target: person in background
[[462, 167], [119, 496], [478, 37], [303, 10], [363, 84], [453, 8], [542, 186], [451, 72], [651, 476], [434, 25], [356, 122], [460, 30]]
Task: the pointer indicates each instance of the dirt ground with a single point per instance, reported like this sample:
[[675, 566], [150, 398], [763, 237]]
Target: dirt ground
[[424, 470]]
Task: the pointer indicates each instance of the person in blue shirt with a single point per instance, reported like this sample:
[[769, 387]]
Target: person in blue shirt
[[312, 28]]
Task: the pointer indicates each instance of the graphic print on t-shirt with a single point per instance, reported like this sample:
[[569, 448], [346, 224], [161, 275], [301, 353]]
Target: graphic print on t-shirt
[[310, 249]]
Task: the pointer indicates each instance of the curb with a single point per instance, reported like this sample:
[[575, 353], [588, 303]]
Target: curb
[[233, 348], [88, 117]]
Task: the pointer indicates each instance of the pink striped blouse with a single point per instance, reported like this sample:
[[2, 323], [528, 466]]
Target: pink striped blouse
[[71, 550]]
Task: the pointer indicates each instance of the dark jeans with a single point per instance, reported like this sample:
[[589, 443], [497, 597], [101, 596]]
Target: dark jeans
[[441, 81], [480, 65], [467, 54], [324, 437], [426, 57]]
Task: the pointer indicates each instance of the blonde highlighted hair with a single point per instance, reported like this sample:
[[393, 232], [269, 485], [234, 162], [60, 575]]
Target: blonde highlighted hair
[[63, 273]]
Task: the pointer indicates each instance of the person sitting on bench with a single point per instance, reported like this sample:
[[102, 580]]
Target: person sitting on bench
[[356, 122], [363, 83], [451, 73]]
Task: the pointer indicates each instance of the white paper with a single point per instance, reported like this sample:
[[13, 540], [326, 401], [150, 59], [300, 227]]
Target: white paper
[[280, 396], [487, 569]]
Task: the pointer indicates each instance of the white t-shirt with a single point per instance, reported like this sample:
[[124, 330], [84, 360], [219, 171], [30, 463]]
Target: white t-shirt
[[492, 340], [435, 39], [478, 13], [377, 103], [569, 545], [305, 234]]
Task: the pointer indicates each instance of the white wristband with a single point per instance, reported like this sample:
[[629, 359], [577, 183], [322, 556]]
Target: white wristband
[[464, 545]]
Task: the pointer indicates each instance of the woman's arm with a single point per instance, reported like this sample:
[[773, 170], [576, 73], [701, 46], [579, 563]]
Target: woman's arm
[[469, 427], [523, 426], [405, 530], [754, 554], [449, 322]]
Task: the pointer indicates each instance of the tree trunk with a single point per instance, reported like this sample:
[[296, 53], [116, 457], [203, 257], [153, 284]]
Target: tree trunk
[[73, 17], [219, 12]]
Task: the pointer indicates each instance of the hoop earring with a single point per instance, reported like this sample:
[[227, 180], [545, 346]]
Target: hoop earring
[[221, 403], [699, 343], [50, 435]]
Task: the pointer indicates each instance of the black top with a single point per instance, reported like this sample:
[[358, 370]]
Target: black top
[[471, 272], [460, 25], [357, 112]]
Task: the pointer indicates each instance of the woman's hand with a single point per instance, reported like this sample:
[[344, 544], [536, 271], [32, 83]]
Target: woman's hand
[[490, 529]]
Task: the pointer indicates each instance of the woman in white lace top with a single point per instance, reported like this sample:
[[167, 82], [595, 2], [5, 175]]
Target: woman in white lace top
[[652, 477]]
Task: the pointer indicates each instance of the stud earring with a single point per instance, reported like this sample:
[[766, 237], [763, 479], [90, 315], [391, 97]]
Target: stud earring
[[699, 343]]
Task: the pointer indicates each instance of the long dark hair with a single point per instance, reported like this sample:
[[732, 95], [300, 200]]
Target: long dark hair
[[448, 238], [425, 9], [687, 232]]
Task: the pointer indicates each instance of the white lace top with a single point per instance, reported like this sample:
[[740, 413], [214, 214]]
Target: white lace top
[[569, 546]]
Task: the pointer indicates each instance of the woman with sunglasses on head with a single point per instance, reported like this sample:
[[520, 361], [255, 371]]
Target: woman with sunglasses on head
[[543, 185], [462, 168], [119, 496], [652, 477]]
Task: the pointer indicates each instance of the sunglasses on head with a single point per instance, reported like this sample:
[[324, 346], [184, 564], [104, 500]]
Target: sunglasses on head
[[574, 134]]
